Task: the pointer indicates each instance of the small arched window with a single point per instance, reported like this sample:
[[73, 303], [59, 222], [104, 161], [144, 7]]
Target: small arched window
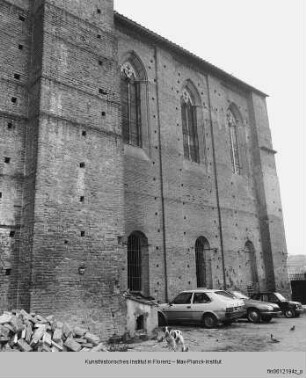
[[189, 125], [234, 147], [130, 105]]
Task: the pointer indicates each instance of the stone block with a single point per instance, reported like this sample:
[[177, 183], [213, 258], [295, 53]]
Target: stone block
[[93, 339], [99, 348], [78, 331], [24, 346], [72, 345], [38, 334], [5, 318], [57, 335]]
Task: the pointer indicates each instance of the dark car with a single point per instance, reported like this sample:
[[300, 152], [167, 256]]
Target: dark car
[[257, 311], [290, 309]]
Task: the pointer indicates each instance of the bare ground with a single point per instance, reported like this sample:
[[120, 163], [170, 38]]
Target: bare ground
[[241, 336]]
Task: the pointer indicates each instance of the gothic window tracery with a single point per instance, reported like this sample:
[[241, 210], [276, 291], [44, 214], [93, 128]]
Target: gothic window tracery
[[189, 125], [131, 105], [234, 147]]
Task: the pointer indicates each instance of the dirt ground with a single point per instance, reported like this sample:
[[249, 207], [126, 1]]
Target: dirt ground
[[241, 336]]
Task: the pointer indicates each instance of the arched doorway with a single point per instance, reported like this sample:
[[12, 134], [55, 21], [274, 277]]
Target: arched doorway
[[252, 278], [203, 263]]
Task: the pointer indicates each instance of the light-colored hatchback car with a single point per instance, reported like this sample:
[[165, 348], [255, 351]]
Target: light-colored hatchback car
[[205, 306]]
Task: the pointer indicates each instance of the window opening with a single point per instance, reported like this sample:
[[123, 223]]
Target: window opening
[[200, 298], [8, 271], [131, 107], [189, 124], [200, 263], [232, 126], [140, 323], [183, 298], [134, 263]]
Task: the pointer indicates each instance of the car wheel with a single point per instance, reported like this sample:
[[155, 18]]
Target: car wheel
[[289, 313], [254, 315], [161, 320], [209, 321], [266, 319]]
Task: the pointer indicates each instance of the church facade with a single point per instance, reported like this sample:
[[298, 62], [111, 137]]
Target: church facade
[[127, 163]]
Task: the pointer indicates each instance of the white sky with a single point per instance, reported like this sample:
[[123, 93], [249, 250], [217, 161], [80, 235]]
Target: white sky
[[260, 42]]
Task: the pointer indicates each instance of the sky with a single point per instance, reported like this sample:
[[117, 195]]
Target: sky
[[262, 42]]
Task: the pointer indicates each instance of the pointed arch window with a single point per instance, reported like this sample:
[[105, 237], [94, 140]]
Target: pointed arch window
[[189, 125], [234, 147], [131, 106]]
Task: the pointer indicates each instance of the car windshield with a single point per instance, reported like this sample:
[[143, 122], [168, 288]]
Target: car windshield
[[239, 295], [224, 294], [280, 297]]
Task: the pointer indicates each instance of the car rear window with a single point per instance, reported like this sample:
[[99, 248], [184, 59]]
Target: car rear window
[[224, 294], [239, 295], [280, 297], [199, 298]]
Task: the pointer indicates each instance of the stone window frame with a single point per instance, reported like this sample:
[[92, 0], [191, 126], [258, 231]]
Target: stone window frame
[[236, 137], [203, 261], [143, 259], [131, 59], [189, 93], [250, 250]]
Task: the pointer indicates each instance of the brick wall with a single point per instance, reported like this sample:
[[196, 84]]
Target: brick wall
[[15, 34], [190, 195], [79, 192], [70, 190], [72, 171]]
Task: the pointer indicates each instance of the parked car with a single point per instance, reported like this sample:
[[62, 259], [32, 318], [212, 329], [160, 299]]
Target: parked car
[[257, 311], [290, 309], [205, 306]]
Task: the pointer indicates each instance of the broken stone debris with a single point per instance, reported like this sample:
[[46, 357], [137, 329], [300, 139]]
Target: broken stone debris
[[24, 332]]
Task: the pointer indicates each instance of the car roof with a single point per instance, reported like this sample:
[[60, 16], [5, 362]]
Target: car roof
[[201, 290], [265, 292]]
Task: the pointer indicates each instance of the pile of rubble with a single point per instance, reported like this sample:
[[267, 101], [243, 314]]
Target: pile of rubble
[[23, 332]]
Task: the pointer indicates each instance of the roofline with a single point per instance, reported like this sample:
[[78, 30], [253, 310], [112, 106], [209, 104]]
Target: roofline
[[156, 38], [201, 289]]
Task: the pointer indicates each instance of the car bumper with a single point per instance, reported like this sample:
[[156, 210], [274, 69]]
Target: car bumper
[[234, 315], [299, 310], [271, 313]]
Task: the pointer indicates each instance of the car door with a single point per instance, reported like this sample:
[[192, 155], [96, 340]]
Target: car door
[[200, 303], [180, 308]]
